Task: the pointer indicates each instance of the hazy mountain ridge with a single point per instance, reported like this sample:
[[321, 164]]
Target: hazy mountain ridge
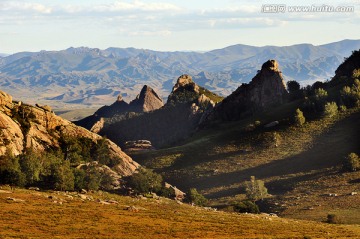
[[88, 76]]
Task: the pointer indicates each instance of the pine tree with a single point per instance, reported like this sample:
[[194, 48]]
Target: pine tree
[[255, 189]]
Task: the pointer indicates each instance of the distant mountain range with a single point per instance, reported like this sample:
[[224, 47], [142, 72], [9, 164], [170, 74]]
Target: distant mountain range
[[93, 77]]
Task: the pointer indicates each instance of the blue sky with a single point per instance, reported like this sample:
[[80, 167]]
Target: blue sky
[[33, 25]]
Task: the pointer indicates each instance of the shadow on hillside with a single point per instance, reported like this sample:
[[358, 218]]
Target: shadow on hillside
[[329, 151]]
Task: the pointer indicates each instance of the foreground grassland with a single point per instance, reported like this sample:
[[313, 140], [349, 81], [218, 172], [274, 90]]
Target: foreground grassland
[[301, 166], [31, 214]]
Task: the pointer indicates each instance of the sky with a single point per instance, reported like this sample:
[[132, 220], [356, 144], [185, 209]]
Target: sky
[[175, 25]]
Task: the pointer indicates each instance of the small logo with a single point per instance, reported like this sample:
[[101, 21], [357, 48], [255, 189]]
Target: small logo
[[273, 8]]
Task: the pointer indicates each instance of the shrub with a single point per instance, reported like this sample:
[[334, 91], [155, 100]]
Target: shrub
[[331, 109], [299, 117], [145, 181], [352, 162], [320, 94], [342, 108], [167, 192], [246, 207], [193, 196], [351, 95], [333, 219], [255, 189]]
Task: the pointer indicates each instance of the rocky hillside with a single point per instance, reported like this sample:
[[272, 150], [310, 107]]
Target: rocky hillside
[[36, 127], [147, 101], [187, 104], [350, 68], [265, 90]]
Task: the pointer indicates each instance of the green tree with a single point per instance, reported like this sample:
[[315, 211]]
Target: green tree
[[145, 181], [32, 166], [331, 109], [193, 196], [72, 149], [79, 179], [10, 170], [93, 178], [352, 162], [255, 189], [299, 117], [63, 177], [102, 153], [293, 86]]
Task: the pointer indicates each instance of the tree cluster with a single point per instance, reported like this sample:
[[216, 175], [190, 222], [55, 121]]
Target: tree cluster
[[57, 169]]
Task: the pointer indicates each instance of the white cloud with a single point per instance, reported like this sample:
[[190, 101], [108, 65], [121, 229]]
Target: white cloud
[[163, 33], [21, 6], [245, 22], [121, 6]]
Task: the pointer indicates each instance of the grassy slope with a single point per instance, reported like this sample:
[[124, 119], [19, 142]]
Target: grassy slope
[[75, 114], [39, 217], [306, 163]]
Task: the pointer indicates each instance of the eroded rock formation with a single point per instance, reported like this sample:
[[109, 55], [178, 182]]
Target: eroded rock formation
[[23, 126], [266, 89]]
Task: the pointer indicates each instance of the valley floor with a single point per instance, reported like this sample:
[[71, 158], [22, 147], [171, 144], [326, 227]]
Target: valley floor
[[32, 214]]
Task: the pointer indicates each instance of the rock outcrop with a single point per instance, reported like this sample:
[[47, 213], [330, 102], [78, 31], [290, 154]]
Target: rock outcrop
[[5, 101], [147, 101], [96, 128], [185, 82], [11, 136], [23, 126], [138, 145], [266, 89]]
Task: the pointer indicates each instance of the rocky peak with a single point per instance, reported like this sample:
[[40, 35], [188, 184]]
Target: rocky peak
[[184, 91], [268, 86], [148, 100], [271, 65], [119, 98], [185, 81], [265, 90]]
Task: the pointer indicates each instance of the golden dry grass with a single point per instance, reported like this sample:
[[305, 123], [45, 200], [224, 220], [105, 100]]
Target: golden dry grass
[[39, 217]]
